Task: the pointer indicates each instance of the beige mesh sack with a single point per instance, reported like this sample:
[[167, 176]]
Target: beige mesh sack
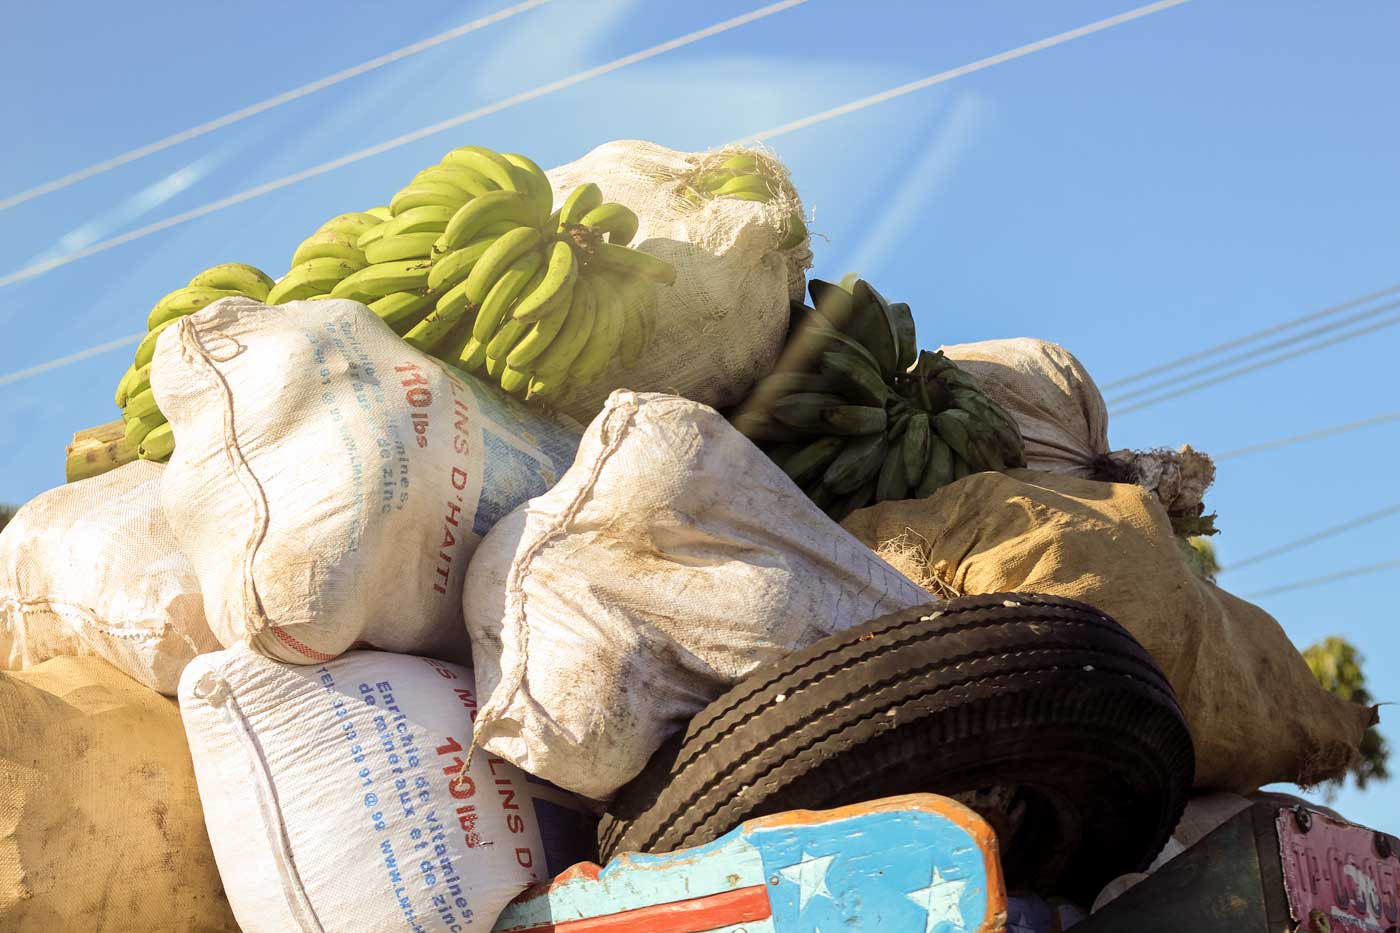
[[722, 323], [1255, 711]]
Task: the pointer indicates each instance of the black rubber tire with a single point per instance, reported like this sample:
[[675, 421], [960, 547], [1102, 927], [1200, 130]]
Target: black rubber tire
[[1043, 693]]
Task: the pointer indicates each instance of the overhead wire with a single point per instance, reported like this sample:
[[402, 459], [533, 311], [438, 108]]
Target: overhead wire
[[1308, 436], [1250, 338], [1323, 580], [823, 116], [257, 191], [262, 106], [1262, 364], [1253, 353], [1313, 538]]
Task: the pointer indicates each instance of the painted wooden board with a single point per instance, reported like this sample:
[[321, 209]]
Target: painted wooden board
[[919, 863]]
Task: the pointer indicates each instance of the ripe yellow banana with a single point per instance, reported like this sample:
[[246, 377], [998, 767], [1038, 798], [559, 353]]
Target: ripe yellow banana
[[479, 213], [536, 182], [487, 162], [513, 381], [496, 304], [451, 269], [327, 244], [499, 256], [146, 349], [431, 218], [141, 405], [428, 194], [313, 277], [236, 277], [158, 444], [185, 301], [511, 333], [458, 176], [605, 339], [539, 338], [616, 220], [401, 310], [124, 385], [744, 163], [747, 184], [553, 364], [635, 262], [555, 289], [384, 278], [352, 224], [370, 236], [472, 357], [136, 429], [403, 246], [382, 212], [580, 201]]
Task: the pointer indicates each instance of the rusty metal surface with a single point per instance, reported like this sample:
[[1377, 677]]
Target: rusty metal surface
[[1338, 877]]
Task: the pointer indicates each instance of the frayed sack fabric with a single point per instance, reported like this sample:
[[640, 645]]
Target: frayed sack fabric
[[1064, 421], [336, 798], [100, 822], [722, 323], [92, 568], [330, 482], [1256, 713], [671, 560]]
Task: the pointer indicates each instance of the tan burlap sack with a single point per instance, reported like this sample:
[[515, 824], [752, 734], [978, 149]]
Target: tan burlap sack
[[100, 823], [1255, 711]]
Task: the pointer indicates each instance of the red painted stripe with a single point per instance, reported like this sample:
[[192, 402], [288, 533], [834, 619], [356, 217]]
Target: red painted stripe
[[297, 646], [692, 916]]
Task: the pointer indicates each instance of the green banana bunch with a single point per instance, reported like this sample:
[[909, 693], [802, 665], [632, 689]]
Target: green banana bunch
[[147, 432], [747, 176], [856, 414], [540, 302]]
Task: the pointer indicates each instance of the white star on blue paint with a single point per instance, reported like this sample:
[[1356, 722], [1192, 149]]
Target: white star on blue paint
[[810, 877], [942, 901]]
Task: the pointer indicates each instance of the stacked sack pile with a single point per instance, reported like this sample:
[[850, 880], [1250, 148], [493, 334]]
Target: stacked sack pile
[[411, 559]]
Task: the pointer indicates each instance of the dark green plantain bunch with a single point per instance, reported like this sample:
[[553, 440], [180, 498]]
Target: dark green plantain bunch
[[856, 414]]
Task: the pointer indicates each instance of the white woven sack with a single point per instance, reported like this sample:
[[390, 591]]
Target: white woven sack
[[335, 797], [723, 322], [92, 568], [330, 482], [671, 560]]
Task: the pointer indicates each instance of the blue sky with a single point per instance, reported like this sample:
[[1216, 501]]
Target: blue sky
[[1136, 195]]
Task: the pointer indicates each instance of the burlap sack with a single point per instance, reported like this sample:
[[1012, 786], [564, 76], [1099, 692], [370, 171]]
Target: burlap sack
[[100, 823], [723, 322], [1064, 421], [1255, 711]]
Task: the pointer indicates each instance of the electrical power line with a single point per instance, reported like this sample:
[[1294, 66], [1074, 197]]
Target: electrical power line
[[1250, 338], [98, 350], [1310, 435], [1304, 541], [1329, 578], [961, 70], [47, 265], [821, 117], [1263, 364], [1252, 353], [263, 106]]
